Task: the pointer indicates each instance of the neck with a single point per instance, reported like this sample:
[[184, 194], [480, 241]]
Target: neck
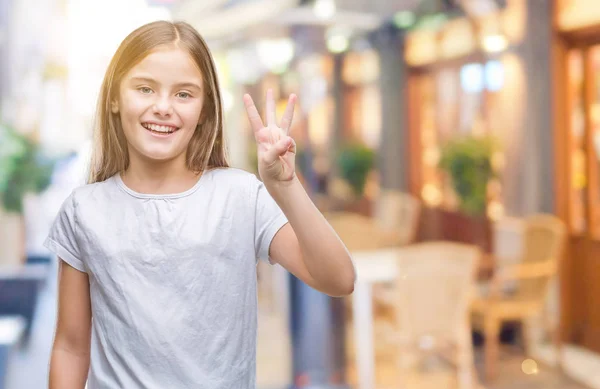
[[159, 177]]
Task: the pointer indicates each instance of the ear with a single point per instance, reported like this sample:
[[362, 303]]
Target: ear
[[114, 107]]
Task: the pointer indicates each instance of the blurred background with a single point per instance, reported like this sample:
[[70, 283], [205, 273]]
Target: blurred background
[[453, 144]]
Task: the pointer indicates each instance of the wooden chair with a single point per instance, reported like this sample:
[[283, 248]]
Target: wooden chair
[[359, 232], [394, 223], [398, 213], [434, 290], [529, 279]]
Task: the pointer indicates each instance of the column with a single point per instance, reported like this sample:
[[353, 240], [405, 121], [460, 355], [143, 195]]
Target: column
[[337, 130], [393, 150], [535, 191]]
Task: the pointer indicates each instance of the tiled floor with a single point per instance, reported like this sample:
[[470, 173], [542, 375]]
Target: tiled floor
[[580, 363], [273, 367], [510, 376], [29, 367]]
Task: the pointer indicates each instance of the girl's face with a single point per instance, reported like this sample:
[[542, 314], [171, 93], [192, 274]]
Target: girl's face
[[160, 102]]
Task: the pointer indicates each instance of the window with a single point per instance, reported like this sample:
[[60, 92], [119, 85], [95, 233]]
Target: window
[[453, 101]]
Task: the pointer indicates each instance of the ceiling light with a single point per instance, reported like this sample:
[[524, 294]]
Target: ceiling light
[[338, 43], [276, 54], [495, 43], [324, 9], [338, 39]]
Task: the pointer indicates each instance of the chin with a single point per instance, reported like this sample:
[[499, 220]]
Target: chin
[[158, 155]]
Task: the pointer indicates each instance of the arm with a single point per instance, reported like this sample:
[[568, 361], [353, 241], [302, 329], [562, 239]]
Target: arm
[[308, 247], [70, 359]]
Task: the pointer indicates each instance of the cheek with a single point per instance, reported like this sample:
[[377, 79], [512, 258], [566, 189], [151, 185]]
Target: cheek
[[132, 107], [191, 115]]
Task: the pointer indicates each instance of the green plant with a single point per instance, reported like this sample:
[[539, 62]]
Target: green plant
[[354, 162], [468, 162], [23, 169]]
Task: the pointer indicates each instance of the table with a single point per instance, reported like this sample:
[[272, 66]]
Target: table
[[376, 266]]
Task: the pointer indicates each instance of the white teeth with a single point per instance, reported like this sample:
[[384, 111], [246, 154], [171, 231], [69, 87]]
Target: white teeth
[[157, 128]]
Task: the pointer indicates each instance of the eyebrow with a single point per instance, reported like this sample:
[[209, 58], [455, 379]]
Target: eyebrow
[[149, 80]]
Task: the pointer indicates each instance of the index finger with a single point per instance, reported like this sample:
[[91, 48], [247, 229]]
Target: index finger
[[253, 115]]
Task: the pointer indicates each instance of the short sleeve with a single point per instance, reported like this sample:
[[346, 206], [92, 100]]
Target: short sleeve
[[62, 239], [268, 220]]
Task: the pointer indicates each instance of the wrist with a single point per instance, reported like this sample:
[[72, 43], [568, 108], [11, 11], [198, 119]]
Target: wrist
[[280, 184], [280, 190]]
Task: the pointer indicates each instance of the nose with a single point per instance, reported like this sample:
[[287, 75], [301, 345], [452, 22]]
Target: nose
[[162, 106]]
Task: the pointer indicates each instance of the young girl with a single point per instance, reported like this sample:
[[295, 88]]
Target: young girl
[[158, 252]]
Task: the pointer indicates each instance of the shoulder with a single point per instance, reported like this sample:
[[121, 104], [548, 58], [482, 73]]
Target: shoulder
[[90, 194], [231, 173], [233, 178]]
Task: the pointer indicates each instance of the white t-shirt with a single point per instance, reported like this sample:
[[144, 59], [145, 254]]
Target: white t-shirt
[[172, 279]]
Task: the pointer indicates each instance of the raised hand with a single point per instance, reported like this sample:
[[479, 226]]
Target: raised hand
[[276, 149]]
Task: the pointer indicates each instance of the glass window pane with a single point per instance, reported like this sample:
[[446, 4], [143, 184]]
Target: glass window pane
[[577, 152], [594, 150]]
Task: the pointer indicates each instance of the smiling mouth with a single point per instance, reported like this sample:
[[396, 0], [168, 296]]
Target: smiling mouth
[[157, 129]]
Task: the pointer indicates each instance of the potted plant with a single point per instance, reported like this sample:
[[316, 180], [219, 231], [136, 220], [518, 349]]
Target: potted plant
[[468, 163], [23, 169], [355, 162]]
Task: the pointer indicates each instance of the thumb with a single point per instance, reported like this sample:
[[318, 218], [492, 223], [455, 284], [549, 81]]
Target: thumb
[[280, 148]]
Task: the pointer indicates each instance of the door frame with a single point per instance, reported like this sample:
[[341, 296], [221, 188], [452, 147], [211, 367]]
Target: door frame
[[576, 275]]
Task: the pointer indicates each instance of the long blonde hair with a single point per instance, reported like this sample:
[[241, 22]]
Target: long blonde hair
[[206, 148]]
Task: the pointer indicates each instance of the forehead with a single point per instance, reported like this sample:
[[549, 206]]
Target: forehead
[[168, 64]]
